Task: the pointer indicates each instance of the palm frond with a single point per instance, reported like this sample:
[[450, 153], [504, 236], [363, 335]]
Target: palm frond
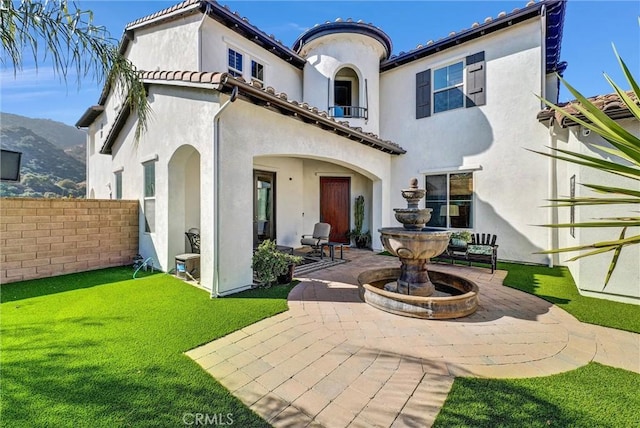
[[67, 38]]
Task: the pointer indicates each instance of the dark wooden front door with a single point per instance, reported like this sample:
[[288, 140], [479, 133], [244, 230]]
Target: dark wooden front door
[[334, 206]]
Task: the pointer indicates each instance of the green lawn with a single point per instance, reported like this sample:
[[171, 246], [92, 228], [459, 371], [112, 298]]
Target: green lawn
[[100, 349], [591, 396], [556, 285]]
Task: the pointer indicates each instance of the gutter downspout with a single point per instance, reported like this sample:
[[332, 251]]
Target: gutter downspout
[[204, 15], [543, 93], [216, 193], [553, 180], [543, 54]]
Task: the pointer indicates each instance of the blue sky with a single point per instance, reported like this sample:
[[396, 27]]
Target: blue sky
[[590, 28]]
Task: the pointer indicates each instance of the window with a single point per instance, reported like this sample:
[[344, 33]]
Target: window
[[257, 71], [149, 197], [461, 84], [235, 63], [118, 178], [447, 88], [451, 198]]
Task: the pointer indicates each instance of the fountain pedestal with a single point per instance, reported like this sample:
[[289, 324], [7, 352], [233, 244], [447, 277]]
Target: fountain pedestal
[[414, 278]]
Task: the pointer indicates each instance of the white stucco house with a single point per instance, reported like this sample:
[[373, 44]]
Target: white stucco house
[[251, 139]]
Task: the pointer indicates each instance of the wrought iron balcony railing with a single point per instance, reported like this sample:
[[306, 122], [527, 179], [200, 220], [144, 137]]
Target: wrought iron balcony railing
[[348, 111]]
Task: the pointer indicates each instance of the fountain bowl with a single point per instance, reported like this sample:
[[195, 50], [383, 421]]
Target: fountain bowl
[[371, 290], [413, 218], [413, 244]]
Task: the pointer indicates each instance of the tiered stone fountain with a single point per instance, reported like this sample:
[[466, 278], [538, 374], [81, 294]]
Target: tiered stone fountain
[[412, 290]]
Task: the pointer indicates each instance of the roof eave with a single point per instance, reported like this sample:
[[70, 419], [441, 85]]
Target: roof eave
[[480, 31], [89, 116], [252, 33]]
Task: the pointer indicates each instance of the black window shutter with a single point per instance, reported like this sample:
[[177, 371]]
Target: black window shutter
[[423, 94], [476, 93]]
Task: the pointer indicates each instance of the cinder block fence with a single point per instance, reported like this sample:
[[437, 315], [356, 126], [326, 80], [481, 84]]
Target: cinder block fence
[[40, 238]]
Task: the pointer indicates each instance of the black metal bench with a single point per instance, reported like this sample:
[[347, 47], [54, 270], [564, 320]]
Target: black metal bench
[[482, 249]]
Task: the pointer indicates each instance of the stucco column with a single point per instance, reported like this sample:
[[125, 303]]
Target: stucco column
[[377, 213]]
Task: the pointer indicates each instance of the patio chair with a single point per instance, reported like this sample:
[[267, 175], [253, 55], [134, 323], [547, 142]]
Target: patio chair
[[194, 240], [319, 237]]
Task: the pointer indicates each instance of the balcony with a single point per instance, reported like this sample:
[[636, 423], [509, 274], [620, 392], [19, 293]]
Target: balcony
[[348, 112]]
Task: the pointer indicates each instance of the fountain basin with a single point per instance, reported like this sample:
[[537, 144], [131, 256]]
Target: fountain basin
[[371, 290]]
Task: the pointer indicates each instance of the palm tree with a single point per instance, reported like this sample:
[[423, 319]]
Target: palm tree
[[624, 160], [68, 38]]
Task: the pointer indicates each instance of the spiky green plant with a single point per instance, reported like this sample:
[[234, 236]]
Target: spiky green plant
[[624, 161], [66, 36]]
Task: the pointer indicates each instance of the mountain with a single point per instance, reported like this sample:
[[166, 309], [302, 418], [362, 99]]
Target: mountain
[[46, 170], [57, 133]]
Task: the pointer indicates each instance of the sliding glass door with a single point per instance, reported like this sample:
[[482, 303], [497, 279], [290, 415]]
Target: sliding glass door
[[264, 214]]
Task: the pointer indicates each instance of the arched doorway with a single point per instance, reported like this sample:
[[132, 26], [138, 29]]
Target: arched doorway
[[346, 94], [183, 199]]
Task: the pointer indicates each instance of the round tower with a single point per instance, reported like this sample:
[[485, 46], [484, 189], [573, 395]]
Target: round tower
[[342, 73]]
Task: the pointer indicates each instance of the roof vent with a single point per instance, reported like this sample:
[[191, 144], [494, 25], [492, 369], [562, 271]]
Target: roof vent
[[475, 25], [502, 14], [488, 19], [338, 19]]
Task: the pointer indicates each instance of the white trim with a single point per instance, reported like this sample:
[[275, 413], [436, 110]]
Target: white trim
[[120, 169], [461, 56], [243, 50], [452, 169], [333, 174], [149, 158]]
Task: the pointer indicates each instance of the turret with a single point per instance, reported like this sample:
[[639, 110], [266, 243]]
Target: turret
[[342, 73]]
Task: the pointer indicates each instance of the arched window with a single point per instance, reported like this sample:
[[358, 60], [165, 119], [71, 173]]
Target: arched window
[[346, 95]]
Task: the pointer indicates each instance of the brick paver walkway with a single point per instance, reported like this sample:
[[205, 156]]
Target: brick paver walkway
[[334, 361]]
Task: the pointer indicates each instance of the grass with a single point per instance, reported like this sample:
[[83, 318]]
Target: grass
[[556, 285], [100, 349], [591, 396]]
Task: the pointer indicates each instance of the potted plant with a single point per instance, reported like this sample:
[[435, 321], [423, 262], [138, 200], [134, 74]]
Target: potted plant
[[268, 263], [460, 239], [361, 239]]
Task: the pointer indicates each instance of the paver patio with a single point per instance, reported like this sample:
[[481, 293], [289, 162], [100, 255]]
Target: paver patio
[[334, 361]]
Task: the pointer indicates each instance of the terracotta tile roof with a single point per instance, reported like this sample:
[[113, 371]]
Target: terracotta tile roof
[[611, 104], [265, 97], [184, 6]]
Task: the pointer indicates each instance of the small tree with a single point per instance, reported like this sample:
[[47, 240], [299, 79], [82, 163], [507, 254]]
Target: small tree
[[624, 160]]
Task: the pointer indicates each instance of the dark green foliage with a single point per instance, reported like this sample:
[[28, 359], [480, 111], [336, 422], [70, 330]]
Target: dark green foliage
[[45, 168], [100, 349], [591, 396]]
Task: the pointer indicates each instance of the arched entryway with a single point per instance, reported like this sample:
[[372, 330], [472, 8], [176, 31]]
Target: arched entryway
[[346, 95], [183, 199]]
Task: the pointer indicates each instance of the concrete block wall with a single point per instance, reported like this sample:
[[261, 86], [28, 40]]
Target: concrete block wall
[[40, 238]]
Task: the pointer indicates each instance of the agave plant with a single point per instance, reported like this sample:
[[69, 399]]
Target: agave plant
[[624, 161]]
